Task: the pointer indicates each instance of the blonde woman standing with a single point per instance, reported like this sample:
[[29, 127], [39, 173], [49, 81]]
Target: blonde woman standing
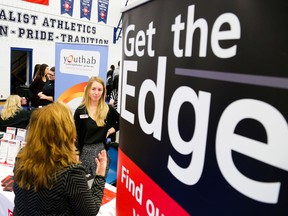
[[95, 121], [13, 115]]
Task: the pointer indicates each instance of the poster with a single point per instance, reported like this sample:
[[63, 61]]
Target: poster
[[75, 64], [204, 109]]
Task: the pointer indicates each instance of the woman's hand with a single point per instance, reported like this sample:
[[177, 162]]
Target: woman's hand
[[40, 94], [111, 102], [110, 131], [101, 163], [45, 97]]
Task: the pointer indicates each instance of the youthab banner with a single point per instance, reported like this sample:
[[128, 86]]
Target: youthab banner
[[204, 109], [67, 7], [85, 8], [103, 10], [75, 64]]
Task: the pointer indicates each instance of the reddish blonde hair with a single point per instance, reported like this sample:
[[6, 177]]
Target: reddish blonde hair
[[50, 146]]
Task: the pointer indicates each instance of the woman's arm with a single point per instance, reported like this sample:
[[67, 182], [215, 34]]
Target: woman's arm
[[45, 97], [114, 127], [34, 84], [83, 200], [115, 118], [78, 129]]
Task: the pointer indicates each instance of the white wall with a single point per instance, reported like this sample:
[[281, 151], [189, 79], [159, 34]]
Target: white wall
[[43, 50]]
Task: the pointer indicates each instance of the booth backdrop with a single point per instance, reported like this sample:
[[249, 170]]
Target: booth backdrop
[[204, 109]]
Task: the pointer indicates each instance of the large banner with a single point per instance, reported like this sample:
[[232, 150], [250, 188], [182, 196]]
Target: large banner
[[44, 2], [75, 64], [204, 109]]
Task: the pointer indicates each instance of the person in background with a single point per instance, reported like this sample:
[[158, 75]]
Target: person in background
[[37, 85], [48, 178], [47, 93], [117, 70], [95, 120], [13, 115], [36, 69], [114, 101], [114, 94], [109, 81]]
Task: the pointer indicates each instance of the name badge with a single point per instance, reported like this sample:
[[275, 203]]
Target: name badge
[[83, 116]]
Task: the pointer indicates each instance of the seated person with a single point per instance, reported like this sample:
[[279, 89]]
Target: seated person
[[13, 115], [48, 177]]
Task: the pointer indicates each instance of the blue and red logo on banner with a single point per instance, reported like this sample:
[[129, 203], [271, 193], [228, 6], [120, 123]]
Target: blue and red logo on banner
[[85, 8], [103, 10], [67, 7]]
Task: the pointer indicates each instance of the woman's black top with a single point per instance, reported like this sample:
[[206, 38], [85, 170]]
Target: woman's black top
[[48, 90], [88, 132], [36, 86], [70, 195], [20, 120]]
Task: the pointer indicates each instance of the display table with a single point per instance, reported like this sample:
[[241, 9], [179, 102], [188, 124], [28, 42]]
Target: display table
[[108, 206], [7, 198]]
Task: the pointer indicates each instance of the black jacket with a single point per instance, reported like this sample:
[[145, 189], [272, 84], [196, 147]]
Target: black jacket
[[88, 132], [70, 195], [20, 120]]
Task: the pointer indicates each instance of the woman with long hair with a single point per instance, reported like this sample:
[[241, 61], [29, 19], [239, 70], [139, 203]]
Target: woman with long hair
[[37, 85], [48, 92], [95, 120], [35, 71], [13, 115], [49, 180]]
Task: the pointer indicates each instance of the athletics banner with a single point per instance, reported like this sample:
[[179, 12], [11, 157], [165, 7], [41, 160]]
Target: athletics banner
[[204, 109], [85, 8], [67, 7], [103, 10]]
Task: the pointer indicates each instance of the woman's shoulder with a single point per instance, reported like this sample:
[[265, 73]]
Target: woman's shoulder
[[81, 109], [112, 109], [74, 171], [74, 168], [24, 112], [37, 78]]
